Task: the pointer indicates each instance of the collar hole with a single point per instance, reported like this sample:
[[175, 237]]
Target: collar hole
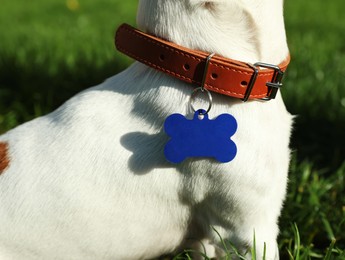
[[214, 75], [186, 67]]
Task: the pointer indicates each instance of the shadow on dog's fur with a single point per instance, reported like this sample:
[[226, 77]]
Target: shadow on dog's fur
[[151, 146]]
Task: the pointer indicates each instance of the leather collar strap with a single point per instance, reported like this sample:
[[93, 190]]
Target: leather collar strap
[[225, 76]]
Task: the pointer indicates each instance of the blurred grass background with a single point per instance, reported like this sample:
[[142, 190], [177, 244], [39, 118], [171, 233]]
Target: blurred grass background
[[50, 50]]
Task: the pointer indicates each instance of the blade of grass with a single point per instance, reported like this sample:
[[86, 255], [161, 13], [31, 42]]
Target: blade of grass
[[222, 240], [297, 244], [254, 247], [330, 250]]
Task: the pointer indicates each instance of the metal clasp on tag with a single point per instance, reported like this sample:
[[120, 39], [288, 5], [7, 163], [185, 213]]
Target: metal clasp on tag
[[274, 85]]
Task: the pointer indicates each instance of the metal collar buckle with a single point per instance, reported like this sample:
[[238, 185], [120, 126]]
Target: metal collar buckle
[[274, 85]]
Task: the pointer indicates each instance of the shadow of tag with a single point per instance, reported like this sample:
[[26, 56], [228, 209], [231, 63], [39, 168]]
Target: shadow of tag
[[200, 137], [147, 151]]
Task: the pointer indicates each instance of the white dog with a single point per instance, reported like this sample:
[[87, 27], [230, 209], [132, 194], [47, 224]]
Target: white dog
[[90, 181]]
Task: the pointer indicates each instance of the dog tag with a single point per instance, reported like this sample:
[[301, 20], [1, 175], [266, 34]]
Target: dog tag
[[200, 137]]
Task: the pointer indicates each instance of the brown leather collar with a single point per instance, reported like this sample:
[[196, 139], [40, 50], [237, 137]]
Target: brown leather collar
[[225, 76]]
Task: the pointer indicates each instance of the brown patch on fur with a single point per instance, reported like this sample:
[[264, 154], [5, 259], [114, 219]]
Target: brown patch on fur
[[209, 6], [4, 157]]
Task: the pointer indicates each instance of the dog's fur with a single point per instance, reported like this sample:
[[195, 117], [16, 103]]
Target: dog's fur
[[89, 181]]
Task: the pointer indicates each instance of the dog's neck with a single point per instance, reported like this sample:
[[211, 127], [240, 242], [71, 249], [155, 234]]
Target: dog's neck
[[246, 30]]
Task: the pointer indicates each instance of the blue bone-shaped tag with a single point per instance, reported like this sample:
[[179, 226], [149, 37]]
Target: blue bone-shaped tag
[[200, 137]]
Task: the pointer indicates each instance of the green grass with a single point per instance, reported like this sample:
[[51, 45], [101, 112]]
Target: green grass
[[315, 84], [50, 50]]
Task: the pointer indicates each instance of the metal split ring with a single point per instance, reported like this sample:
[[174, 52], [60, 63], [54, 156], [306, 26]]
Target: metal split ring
[[203, 89], [195, 93]]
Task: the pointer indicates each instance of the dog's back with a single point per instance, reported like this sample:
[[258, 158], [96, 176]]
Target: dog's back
[[90, 181]]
